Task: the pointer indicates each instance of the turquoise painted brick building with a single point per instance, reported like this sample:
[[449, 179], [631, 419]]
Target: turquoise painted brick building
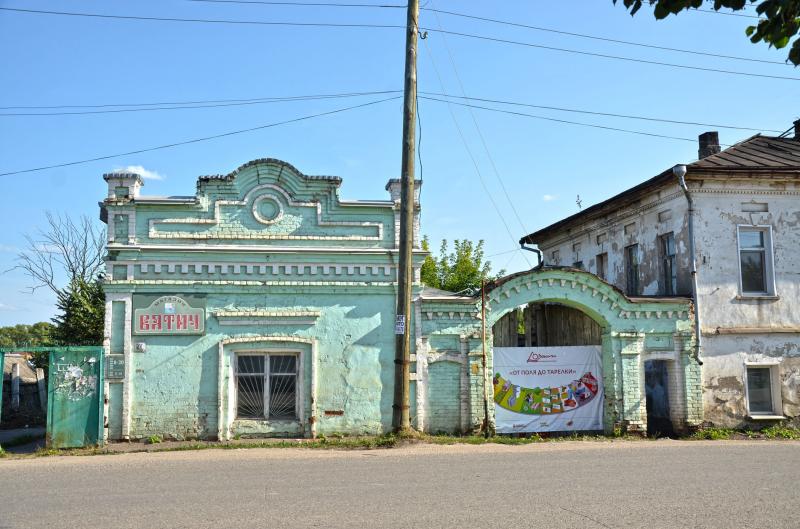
[[263, 305]]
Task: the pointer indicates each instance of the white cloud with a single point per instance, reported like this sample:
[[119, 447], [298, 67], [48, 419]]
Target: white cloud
[[5, 307], [141, 171], [549, 198]]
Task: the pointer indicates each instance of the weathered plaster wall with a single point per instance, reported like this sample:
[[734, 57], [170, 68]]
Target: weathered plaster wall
[[736, 328], [656, 214], [279, 263]]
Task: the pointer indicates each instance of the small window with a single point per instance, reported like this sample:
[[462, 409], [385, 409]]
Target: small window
[[669, 274], [632, 269], [759, 391], [755, 261], [266, 386], [554, 255], [601, 265], [578, 265]]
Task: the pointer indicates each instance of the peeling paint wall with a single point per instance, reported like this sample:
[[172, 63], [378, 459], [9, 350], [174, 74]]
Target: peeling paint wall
[[737, 328], [279, 264]]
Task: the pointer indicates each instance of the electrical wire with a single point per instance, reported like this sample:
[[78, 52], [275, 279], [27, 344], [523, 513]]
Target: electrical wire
[[428, 98], [215, 105], [271, 98], [506, 22], [467, 148], [198, 140], [203, 20], [259, 100], [595, 113], [607, 56], [298, 4], [595, 37], [396, 26], [478, 129]]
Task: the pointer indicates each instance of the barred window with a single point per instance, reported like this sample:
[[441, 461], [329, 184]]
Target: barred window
[[266, 386]]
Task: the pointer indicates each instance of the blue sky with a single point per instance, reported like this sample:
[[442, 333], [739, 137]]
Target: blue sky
[[544, 165]]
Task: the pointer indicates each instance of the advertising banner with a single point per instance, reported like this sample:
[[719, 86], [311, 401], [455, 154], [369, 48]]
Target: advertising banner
[[548, 389]]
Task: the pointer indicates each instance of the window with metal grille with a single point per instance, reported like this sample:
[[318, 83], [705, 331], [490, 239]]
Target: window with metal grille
[[632, 270], [669, 274], [266, 386], [755, 261]]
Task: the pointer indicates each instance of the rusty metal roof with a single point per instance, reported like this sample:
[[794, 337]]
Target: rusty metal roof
[[755, 153], [756, 156]]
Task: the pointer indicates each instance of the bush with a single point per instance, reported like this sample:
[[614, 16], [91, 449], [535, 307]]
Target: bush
[[779, 431], [713, 434], [154, 439]]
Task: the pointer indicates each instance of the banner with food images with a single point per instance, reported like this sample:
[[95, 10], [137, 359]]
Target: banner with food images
[[548, 389]]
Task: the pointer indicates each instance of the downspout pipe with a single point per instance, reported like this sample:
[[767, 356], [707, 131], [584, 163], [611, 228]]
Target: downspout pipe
[[680, 172], [537, 251]]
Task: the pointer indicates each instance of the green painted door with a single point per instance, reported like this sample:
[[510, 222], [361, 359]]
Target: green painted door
[[75, 397]]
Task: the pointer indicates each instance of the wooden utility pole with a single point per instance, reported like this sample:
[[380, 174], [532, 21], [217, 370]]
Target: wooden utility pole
[[401, 420]]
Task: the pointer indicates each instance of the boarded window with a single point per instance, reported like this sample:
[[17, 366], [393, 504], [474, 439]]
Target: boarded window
[[669, 273], [266, 386], [632, 270]]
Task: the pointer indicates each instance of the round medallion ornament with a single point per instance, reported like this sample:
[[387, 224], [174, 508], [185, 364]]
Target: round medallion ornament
[[267, 210]]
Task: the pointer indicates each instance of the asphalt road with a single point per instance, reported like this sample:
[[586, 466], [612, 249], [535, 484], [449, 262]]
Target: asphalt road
[[656, 484]]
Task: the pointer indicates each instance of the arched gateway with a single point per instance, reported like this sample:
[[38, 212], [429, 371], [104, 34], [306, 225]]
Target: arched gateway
[[632, 331]]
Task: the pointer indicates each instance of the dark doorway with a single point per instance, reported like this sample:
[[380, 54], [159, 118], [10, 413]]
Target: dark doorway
[[656, 376]]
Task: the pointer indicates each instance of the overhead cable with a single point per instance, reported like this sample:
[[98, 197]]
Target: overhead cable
[[198, 140], [557, 120], [143, 108], [607, 56]]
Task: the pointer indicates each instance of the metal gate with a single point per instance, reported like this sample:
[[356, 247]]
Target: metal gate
[[75, 397]]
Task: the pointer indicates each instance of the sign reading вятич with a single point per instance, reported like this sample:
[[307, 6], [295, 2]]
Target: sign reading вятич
[[169, 315]]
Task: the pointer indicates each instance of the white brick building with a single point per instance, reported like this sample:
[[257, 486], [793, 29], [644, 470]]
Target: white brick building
[[746, 234]]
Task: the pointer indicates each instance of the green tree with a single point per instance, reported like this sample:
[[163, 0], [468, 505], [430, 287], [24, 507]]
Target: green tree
[[37, 335], [82, 307], [778, 26], [461, 269], [67, 258]]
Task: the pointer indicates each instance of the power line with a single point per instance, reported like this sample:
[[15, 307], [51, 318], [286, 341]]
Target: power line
[[616, 129], [466, 148], [254, 99], [298, 4], [509, 23], [607, 56], [216, 105], [395, 26], [478, 129], [204, 20], [198, 140], [595, 113], [595, 37]]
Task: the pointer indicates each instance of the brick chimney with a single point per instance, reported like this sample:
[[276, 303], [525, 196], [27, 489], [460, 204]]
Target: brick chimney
[[709, 144]]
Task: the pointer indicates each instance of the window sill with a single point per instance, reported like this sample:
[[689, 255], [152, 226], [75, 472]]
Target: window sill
[[764, 297], [766, 417]]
